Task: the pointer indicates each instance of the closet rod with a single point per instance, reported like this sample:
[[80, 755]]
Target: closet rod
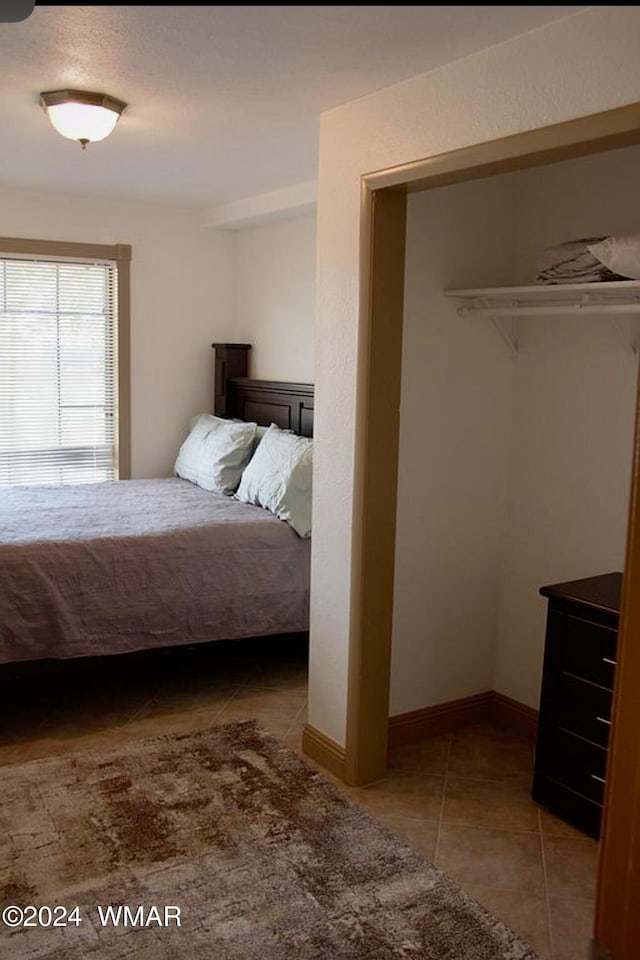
[[550, 310]]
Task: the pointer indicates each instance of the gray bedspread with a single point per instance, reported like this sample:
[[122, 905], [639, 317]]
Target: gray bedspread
[[107, 568]]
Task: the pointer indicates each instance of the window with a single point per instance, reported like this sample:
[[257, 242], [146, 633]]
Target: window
[[63, 362]]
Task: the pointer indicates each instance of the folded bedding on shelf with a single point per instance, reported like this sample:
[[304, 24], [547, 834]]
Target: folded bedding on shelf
[[620, 253], [574, 262]]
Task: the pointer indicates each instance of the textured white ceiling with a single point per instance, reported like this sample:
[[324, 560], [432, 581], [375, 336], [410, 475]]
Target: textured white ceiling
[[223, 100]]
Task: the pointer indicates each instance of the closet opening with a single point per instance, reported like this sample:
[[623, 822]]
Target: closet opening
[[381, 383], [517, 410]]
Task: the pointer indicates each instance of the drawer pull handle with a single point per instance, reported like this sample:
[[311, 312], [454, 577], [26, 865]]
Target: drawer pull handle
[[594, 776], [606, 660], [602, 720]]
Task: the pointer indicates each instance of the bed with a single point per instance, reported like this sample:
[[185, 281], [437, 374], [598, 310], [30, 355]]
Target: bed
[[130, 565]]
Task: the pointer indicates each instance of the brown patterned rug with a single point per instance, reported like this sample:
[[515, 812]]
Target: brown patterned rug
[[261, 855]]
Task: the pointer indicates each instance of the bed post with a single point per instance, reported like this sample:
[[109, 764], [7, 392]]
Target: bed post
[[232, 360]]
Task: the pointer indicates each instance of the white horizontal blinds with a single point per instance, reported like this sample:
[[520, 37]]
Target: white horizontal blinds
[[58, 371]]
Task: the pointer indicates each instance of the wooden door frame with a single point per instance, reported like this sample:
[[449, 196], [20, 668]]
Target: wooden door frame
[[377, 422]]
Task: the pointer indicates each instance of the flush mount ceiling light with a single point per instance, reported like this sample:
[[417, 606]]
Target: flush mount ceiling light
[[81, 115]]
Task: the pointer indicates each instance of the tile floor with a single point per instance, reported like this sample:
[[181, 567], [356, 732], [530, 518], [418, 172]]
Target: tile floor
[[462, 800]]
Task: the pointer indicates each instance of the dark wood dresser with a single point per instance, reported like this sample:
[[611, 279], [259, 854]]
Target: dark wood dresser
[[575, 701]]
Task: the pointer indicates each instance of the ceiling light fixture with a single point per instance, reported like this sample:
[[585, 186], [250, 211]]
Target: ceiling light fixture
[[81, 115]]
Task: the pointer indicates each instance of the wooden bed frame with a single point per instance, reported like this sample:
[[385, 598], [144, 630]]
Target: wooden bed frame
[[288, 405]]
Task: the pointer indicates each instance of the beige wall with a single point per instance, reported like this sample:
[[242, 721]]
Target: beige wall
[[190, 286], [577, 66], [573, 416], [454, 445], [275, 297]]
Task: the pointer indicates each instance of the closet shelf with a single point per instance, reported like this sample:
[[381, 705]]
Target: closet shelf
[[547, 299], [616, 298]]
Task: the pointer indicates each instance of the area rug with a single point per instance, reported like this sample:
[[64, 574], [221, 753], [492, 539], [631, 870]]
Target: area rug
[[219, 845]]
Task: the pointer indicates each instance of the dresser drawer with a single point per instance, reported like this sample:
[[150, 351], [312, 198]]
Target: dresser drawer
[[589, 651], [584, 708], [579, 765], [576, 698]]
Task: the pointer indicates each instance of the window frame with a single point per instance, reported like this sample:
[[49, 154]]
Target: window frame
[[120, 254]]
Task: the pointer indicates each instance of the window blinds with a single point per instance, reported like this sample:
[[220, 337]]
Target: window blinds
[[58, 371]]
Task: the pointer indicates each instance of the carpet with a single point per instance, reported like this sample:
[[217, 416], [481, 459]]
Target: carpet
[[219, 845]]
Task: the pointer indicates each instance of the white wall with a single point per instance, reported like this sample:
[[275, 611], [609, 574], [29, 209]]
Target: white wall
[[574, 406], [577, 66], [454, 447], [181, 301], [275, 297]]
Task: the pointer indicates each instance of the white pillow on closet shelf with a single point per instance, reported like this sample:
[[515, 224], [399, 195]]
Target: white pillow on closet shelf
[[215, 453], [620, 254], [278, 478]]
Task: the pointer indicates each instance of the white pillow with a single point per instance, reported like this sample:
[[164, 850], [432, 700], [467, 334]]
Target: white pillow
[[195, 419], [260, 432], [278, 478], [620, 254], [215, 453]]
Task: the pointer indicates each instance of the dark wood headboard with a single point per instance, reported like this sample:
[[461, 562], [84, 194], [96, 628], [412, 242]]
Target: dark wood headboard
[[288, 405]]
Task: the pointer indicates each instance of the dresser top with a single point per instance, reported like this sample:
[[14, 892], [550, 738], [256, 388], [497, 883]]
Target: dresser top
[[602, 592]]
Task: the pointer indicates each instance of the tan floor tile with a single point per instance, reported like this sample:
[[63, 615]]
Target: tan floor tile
[[21, 752], [197, 676], [155, 719], [58, 737], [507, 861], [176, 721], [552, 826], [156, 725], [73, 714], [486, 753], [276, 710], [416, 795], [83, 704], [571, 866], [287, 676], [424, 756], [180, 701], [420, 835], [488, 803], [49, 747], [63, 728], [109, 739], [526, 916], [293, 738], [571, 927], [163, 715]]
